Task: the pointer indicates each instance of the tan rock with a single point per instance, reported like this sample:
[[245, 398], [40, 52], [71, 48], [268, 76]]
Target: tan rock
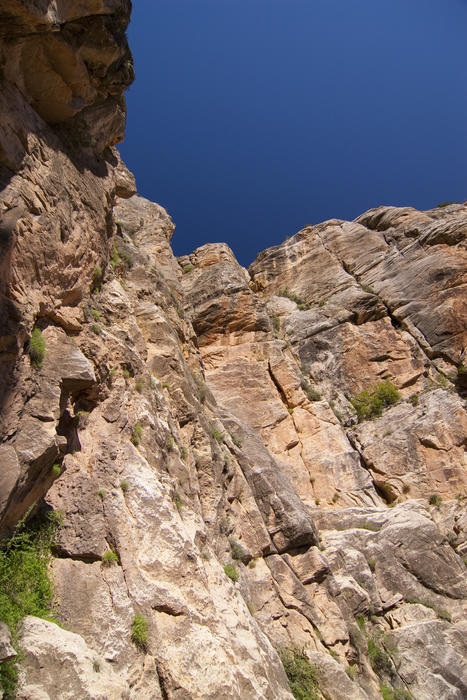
[[6, 650], [59, 664]]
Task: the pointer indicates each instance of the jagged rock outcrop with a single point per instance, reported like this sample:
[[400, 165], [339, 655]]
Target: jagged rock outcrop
[[195, 422]]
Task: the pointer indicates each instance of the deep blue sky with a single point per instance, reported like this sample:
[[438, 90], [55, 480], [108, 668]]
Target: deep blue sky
[[249, 119]]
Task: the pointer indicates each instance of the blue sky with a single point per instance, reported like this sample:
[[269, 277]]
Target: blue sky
[[249, 119]]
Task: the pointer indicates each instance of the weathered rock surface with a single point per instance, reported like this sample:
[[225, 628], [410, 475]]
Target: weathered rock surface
[[59, 664], [6, 650], [193, 421]]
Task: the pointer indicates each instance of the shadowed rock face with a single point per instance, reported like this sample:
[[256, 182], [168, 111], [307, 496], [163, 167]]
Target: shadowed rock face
[[190, 414], [70, 58]]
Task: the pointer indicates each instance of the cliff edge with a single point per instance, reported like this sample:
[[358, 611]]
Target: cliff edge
[[257, 477]]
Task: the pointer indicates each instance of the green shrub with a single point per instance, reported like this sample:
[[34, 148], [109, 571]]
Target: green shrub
[[435, 499], [178, 501], [109, 558], [312, 394], [96, 314], [25, 585], [276, 322], [360, 620], [56, 469], [183, 453], [139, 385], [217, 435], [169, 443], [115, 259], [137, 434], [125, 485], [236, 549], [97, 278], [101, 494], [300, 673], [414, 399], [96, 329], [379, 660], [444, 614], [139, 632], [351, 671], [302, 305], [127, 258], [394, 694], [335, 497], [445, 204], [187, 268], [36, 347], [236, 440], [370, 404], [231, 571]]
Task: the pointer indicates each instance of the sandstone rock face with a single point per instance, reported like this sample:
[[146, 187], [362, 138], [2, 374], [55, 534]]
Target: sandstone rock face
[[58, 663], [194, 422]]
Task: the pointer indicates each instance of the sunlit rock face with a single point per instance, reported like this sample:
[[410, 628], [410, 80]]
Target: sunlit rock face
[[195, 422]]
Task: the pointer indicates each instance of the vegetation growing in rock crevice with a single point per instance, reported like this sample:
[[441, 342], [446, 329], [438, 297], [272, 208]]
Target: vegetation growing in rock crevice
[[370, 404], [217, 435], [379, 660], [394, 694], [139, 632], [36, 348], [301, 303], [311, 393], [300, 673], [136, 434], [109, 558], [25, 585], [231, 571]]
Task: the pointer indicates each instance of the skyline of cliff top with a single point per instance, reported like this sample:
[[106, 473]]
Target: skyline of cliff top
[[249, 120]]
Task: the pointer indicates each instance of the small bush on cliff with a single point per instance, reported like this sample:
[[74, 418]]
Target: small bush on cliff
[[56, 469], [231, 571], [217, 435], [276, 322], [25, 585], [125, 485], [300, 673], [397, 694], [139, 632], [301, 303], [237, 551], [370, 404], [36, 347], [109, 558], [97, 278], [435, 499], [312, 394], [379, 660], [137, 434]]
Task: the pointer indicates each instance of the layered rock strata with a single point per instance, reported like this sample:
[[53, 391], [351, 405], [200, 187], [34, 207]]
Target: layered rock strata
[[194, 422]]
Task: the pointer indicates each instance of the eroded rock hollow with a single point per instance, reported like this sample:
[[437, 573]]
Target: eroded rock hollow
[[250, 464]]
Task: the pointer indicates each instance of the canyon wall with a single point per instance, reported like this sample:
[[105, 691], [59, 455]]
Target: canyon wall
[[249, 463]]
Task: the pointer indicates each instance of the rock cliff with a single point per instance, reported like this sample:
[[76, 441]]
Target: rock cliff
[[250, 465]]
